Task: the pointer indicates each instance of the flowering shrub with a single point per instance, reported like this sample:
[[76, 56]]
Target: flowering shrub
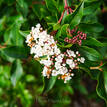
[[66, 45], [55, 62]]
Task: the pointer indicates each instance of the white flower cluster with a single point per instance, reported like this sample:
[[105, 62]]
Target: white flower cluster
[[41, 43], [56, 63]]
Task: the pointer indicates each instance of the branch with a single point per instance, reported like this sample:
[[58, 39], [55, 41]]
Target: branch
[[2, 46]]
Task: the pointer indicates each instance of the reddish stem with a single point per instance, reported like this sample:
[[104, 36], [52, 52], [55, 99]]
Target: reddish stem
[[66, 6], [59, 21]]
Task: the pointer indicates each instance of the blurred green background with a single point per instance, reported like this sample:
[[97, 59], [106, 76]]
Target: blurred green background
[[21, 82]]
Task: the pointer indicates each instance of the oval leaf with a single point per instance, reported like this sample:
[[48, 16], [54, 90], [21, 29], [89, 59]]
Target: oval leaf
[[17, 72], [91, 53], [49, 83], [16, 52]]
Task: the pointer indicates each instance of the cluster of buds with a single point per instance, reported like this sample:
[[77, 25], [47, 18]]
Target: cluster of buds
[[76, 39], [55, 63]]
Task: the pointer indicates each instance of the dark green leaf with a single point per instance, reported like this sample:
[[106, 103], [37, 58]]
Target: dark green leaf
[[49, 83], [51, 5], [101, 87], [24, 33], [17, 72], [12, 35], [91, 53], [75, 18], [16, 52], [96, 27], [22, 7], [92, 7], [92, 42]]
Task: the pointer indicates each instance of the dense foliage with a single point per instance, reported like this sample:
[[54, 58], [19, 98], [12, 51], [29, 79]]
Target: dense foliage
[[21, 81]]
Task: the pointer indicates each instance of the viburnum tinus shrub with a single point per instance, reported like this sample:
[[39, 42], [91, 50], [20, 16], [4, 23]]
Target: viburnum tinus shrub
[[67, 51], [68, 42]]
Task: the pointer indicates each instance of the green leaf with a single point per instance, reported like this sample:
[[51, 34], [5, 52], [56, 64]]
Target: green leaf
[[16, 52], [101, 86], [60, 5], [96, 27], [66, 46], [65, 15], [22, 7], [2, 22], [56, 26], [105, 80], [12, 35], [92, 42], [24, 33], [92, 7], [69, 89], [64, 29], [51, 5], [90, 19], [40, 11], [58, 34], [17, 72], [75, 18], [51, 20], [49, 83], [91, 53], [30, 78]]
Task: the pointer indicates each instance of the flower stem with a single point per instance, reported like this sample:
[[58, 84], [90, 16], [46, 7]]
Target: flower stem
[[66, 6]]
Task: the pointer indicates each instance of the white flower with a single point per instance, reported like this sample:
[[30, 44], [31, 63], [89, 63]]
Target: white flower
[[47, 62], [32, 50], [63, 70], [82, 60], [54, 73], [77, 52], [57, 65], [67, 78], [78, 59], [44, 72], [71, 53], [28, 39], [59, 58], [69, 61], [72, 74], [38, 25], [72, 66]]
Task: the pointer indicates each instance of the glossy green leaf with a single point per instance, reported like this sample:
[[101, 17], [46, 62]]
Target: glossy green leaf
[[12, 35], [75, 18], [17, 72], [92, 42], [66, 46], [92, 7], [24, 33], [96, 27], [64, 29], [91, 53], [16, 52], [49, 83], [101, 87], [51, 5], [21, 6], [56, 26], [105, 80]]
